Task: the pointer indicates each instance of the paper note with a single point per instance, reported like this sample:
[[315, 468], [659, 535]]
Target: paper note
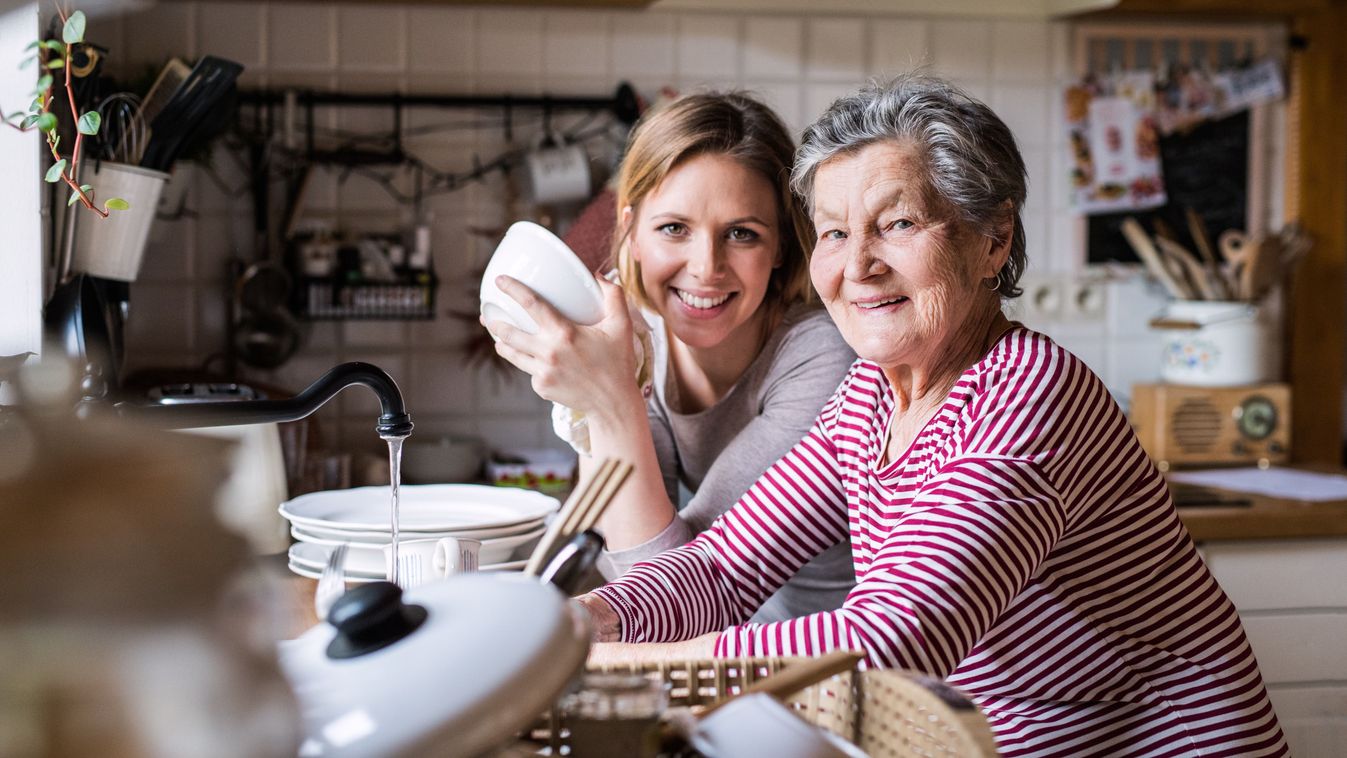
[[1291, 484]]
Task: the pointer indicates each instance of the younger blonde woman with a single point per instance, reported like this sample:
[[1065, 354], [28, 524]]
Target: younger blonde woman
[[711, 245]]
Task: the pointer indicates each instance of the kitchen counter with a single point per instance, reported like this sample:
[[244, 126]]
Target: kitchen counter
[[1248, 516]]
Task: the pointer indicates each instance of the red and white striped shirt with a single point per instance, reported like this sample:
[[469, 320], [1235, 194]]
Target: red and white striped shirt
[[1024, 548]]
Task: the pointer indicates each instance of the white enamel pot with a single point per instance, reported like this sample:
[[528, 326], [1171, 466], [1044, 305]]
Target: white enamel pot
[[452, 668]]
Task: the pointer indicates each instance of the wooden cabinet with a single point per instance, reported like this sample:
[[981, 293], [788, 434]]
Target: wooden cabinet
[[1292, 598]]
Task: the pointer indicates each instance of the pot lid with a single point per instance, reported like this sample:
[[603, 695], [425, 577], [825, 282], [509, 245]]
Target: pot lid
[[491, 653]]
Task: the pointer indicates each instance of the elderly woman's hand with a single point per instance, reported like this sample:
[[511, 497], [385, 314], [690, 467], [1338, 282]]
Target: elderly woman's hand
[[607, 625], [608, 630], [585, 368]]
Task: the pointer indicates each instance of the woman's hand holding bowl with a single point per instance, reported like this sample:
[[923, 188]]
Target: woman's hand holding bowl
[[584, 367]]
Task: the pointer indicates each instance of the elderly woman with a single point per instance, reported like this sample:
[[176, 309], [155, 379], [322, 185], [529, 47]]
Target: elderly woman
[[1009, 534]]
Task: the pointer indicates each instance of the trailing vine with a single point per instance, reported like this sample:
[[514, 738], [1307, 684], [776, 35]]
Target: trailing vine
[[53, 56]]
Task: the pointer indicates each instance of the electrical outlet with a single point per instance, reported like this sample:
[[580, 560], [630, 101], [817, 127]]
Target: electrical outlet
[[1085, 300], [1042, 300]]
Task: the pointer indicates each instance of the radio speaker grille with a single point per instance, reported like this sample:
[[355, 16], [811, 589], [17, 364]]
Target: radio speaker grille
[[1196, 425]]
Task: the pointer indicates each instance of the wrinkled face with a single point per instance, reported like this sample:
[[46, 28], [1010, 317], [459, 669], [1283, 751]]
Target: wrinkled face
[[707, 239], [897, 271]]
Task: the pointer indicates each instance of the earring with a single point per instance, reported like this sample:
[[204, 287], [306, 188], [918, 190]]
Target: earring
[[995, 282]]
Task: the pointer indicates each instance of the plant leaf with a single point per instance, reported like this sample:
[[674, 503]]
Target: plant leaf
[[29, 120], [74, 198], [116, 204], [46, 122], [56, 46], [73, 31], [89, 123], [43, 83], [32, 45], [54, 173], [56, 63], [26, 62], [87, 187]]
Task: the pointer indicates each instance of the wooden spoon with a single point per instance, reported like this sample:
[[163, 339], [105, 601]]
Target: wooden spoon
[[1261, 265], [1145, 250], [1204, 284], [1235, 247], [1200, 238]]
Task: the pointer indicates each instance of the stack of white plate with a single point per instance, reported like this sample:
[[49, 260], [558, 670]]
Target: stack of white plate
[[508, 522]]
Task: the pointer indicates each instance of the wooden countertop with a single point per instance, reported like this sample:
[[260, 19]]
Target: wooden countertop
[[1265, 517]]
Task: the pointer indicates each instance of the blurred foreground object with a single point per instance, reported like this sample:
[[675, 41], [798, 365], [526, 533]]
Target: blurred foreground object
[[130, 624]]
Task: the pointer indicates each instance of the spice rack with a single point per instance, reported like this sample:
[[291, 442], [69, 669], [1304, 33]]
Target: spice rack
[[329, 298]]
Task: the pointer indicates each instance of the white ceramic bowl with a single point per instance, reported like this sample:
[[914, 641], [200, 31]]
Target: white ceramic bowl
[[544, 263]]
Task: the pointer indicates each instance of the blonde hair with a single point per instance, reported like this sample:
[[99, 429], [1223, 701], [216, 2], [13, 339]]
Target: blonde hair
[[733, 125]]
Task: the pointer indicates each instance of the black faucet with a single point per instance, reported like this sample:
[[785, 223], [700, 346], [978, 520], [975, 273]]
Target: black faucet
[[393, 418]]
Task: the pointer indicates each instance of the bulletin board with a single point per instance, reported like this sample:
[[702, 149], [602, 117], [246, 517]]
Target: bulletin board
[[1206, 169], [1220, 168]]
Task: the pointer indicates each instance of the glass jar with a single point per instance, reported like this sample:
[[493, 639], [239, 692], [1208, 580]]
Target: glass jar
[[614, 715]]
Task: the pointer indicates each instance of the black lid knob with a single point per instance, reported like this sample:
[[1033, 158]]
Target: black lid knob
[[371, 617]]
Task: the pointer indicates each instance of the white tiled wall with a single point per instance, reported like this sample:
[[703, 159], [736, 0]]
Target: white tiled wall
[[798, 63]]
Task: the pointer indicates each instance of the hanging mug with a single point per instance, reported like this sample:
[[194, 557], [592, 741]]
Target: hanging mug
[[557, 172]]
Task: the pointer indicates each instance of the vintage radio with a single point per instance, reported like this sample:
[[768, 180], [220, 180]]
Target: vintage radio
[[1197, 426]]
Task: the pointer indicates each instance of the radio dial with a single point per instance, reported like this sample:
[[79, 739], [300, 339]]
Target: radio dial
[[1256, 417]]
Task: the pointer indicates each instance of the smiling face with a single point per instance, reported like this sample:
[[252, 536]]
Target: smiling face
[[898, 273], [707, 239]]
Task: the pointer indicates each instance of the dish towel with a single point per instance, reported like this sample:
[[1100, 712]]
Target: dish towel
[[571, 425]]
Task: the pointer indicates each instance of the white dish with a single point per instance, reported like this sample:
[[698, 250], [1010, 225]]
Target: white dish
[[423, 508], [541, 261], [325, 535], [369, 556], [309, 571]]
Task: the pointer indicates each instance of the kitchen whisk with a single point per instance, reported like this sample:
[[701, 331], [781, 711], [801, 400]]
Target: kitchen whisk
[[124, 133]]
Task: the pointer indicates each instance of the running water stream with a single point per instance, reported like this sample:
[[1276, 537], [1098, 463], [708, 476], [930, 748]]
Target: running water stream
[[395, 479]]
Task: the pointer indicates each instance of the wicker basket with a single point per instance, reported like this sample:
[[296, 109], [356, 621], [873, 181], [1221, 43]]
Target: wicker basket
[[888, 714]]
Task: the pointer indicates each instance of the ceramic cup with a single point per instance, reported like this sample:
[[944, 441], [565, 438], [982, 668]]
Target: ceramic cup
[[424, 561], [539, 259], [557, 173]]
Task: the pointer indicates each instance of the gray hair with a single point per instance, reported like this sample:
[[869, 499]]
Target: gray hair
[[971, 158]]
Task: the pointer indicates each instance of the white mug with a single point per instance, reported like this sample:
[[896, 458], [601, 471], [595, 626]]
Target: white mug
[[557, 173], [423, 561]]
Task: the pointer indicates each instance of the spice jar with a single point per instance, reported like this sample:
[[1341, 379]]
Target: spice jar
[[615, 715]]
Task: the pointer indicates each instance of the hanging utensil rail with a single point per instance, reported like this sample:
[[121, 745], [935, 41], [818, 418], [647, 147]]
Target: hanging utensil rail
[[624, 103]]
